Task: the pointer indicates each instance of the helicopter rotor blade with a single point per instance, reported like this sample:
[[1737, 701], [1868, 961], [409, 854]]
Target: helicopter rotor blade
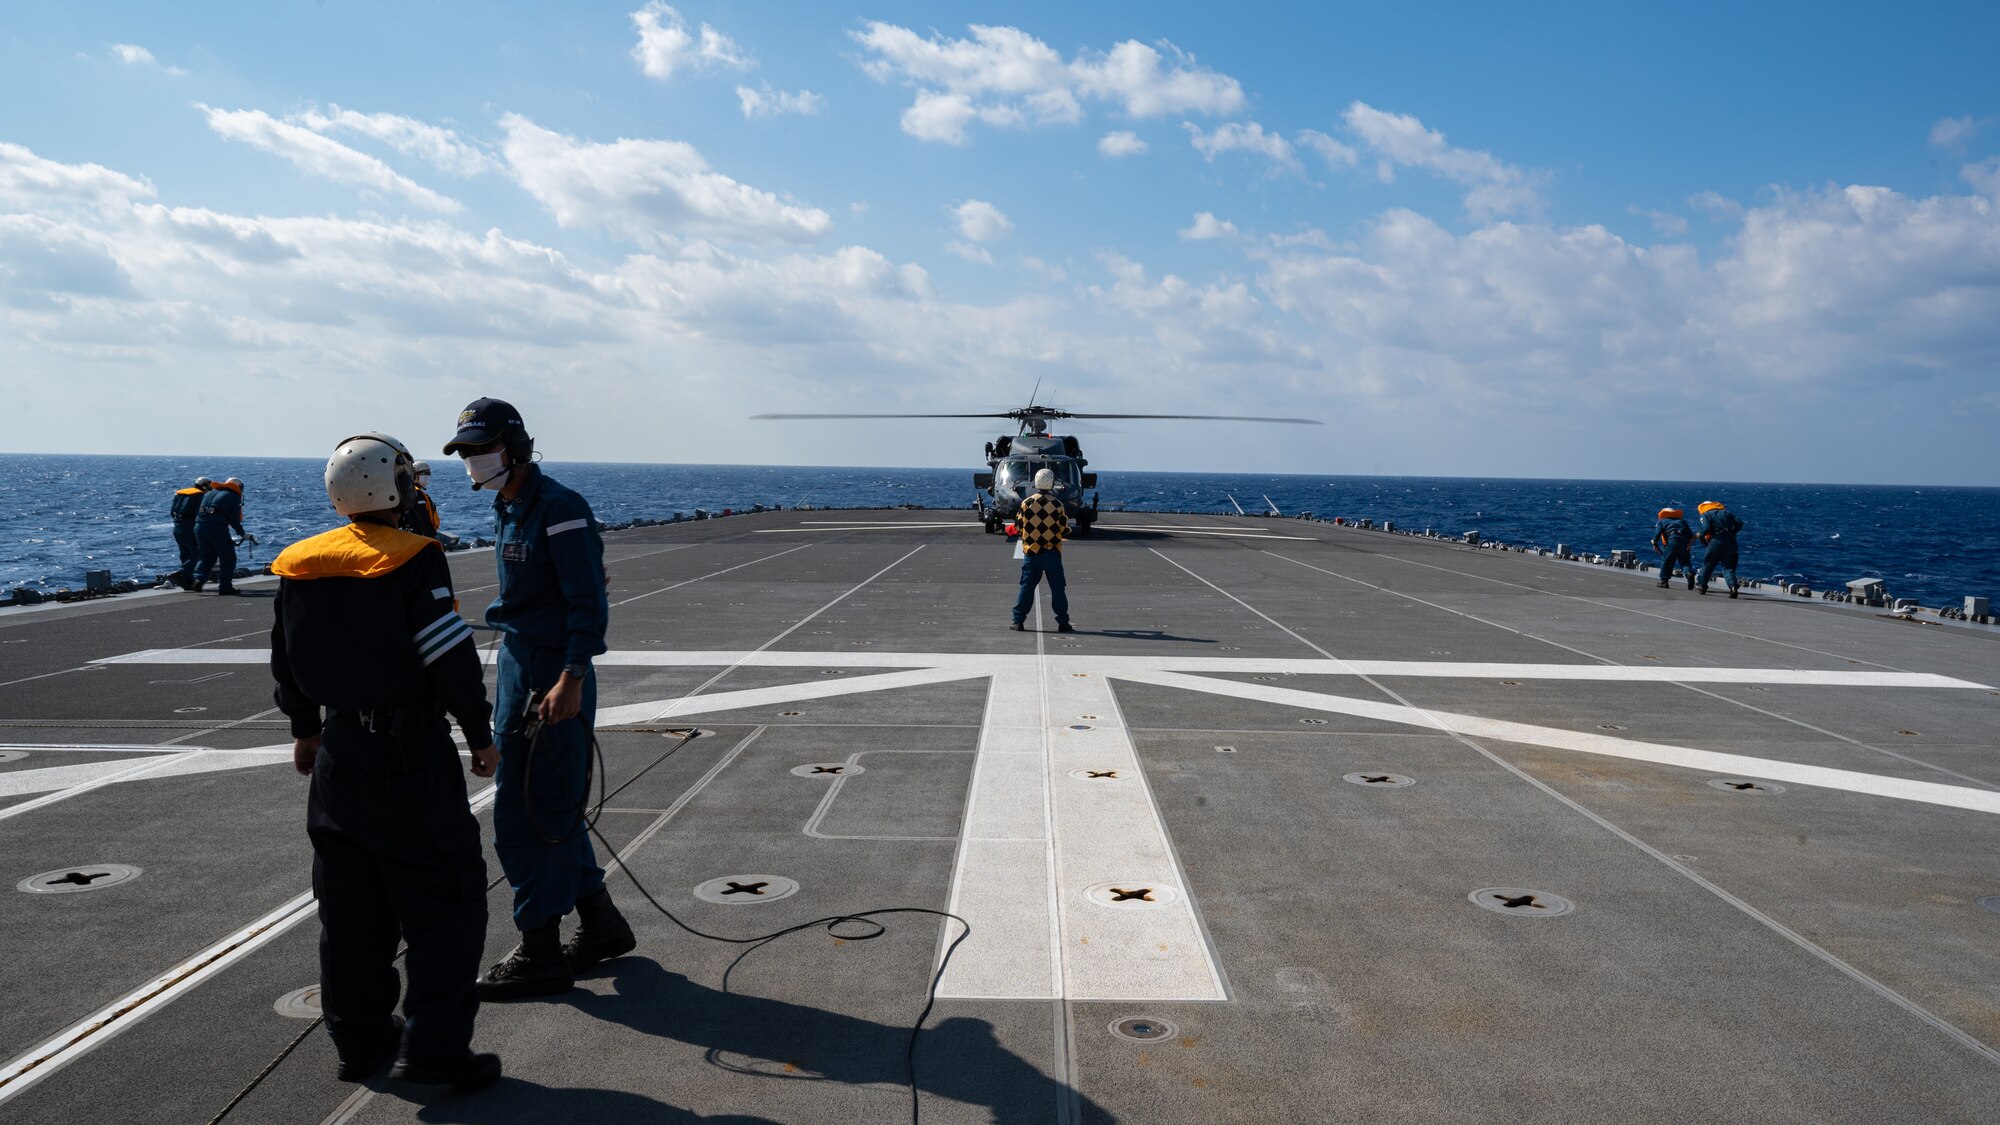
[[796, 417], [1205, 418]]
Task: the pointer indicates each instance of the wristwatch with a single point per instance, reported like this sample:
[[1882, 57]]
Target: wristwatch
[[578, 670]]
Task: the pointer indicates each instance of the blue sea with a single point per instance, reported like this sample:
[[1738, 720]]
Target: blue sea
[[63, 515]]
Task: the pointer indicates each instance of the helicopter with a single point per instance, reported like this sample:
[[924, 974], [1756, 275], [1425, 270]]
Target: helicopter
[[1013, 459]]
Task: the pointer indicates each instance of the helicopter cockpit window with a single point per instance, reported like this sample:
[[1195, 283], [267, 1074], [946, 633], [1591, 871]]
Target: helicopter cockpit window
[[1019, 476]]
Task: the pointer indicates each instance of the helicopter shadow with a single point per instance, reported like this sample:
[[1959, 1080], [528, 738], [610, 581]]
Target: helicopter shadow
[[958, 1058]]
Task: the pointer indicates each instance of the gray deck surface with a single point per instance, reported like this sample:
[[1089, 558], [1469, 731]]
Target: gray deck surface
[[1810, 951]]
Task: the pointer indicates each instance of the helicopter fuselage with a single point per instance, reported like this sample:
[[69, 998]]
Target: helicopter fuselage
[[1012, 462]]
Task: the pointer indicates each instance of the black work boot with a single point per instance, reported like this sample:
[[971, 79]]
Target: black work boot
[[1065, 627], [601, 933], [359, 1065], [535, 967], [473, 1072]]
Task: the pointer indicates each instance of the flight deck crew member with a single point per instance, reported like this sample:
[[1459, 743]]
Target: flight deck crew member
[[367, 628], [1718, 533], [221, 512], [187, 503], [1674, 540], [551, 614], [422, 514], [1043, 526]]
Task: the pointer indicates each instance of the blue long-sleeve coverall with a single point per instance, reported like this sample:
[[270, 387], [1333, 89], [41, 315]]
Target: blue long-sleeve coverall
[[552, 611], [1675, 540], [1718, 531], [221, 513]]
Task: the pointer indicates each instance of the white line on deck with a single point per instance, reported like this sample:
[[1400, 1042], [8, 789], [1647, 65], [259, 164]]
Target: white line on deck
[[710, 574], [99, 1028]]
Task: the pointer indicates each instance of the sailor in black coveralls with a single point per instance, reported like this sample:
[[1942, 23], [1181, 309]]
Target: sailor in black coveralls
[[367, 627]]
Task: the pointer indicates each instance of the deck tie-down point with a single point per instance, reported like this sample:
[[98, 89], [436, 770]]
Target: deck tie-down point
[[1744, 785], [836, 770], [73, 880], [1521, 902], [1143, 1029], [746, 889], [1132, 894], [1378, 780]]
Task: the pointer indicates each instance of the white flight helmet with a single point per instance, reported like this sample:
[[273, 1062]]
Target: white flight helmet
[[422, 469], [369, 473]]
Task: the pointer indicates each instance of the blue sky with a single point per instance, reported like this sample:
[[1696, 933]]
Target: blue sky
[[1719, 242]]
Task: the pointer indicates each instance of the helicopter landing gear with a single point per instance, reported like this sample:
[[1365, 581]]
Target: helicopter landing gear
[[1083, 523], [992, 525]]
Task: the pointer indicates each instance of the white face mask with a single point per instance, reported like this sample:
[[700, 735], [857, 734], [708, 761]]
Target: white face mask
[[488, 470]]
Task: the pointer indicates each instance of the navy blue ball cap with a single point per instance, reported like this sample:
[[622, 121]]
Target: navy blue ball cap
[[483, 422]]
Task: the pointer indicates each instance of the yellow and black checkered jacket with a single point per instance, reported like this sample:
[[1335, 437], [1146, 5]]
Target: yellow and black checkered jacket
[[1042, 523]]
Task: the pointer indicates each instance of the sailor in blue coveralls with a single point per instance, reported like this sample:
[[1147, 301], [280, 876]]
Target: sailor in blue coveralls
[[552, 614], [221, 513]]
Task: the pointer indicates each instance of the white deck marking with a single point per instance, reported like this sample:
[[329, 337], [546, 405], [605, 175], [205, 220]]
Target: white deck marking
[[1034, 838], [986, 664], [691, 581], [1686, 757], [93, 1031], [63, 782]]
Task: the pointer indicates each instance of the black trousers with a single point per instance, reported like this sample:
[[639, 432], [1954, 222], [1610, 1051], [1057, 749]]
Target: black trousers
[[396, 856]]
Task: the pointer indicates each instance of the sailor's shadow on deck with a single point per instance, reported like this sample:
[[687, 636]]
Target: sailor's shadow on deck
[[1144, 635], [518, 1102], [957, 1058]]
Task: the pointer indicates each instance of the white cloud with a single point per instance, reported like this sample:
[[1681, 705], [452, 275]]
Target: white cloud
[[767, 102], [1493, 187], [979, 255], [437, 146], [1004, 76], [320, 156], [1715, 204], [1575, 340], [1240, 136], [1955, 132], [29, 182], [939, 117], [649, 191], [1336, 155], [1122, 142], [1984, 176], [1664, 222], [131, 54], [666, 45], [980, 221], [1131, 75], [1206, 227]]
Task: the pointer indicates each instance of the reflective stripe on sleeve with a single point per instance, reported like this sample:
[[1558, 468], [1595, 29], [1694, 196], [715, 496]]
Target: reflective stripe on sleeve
[[442, 593], [568, 525], [437, 638]]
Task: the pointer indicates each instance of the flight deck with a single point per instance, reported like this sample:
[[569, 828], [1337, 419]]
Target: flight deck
[[1305, 823]]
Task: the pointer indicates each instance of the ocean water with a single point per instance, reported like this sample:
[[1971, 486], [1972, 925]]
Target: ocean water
[[63, 515]]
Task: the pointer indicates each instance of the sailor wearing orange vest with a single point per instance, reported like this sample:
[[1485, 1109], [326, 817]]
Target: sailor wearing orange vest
[[367, 628], [186, 505], [1718, 535], [1674, 540]]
